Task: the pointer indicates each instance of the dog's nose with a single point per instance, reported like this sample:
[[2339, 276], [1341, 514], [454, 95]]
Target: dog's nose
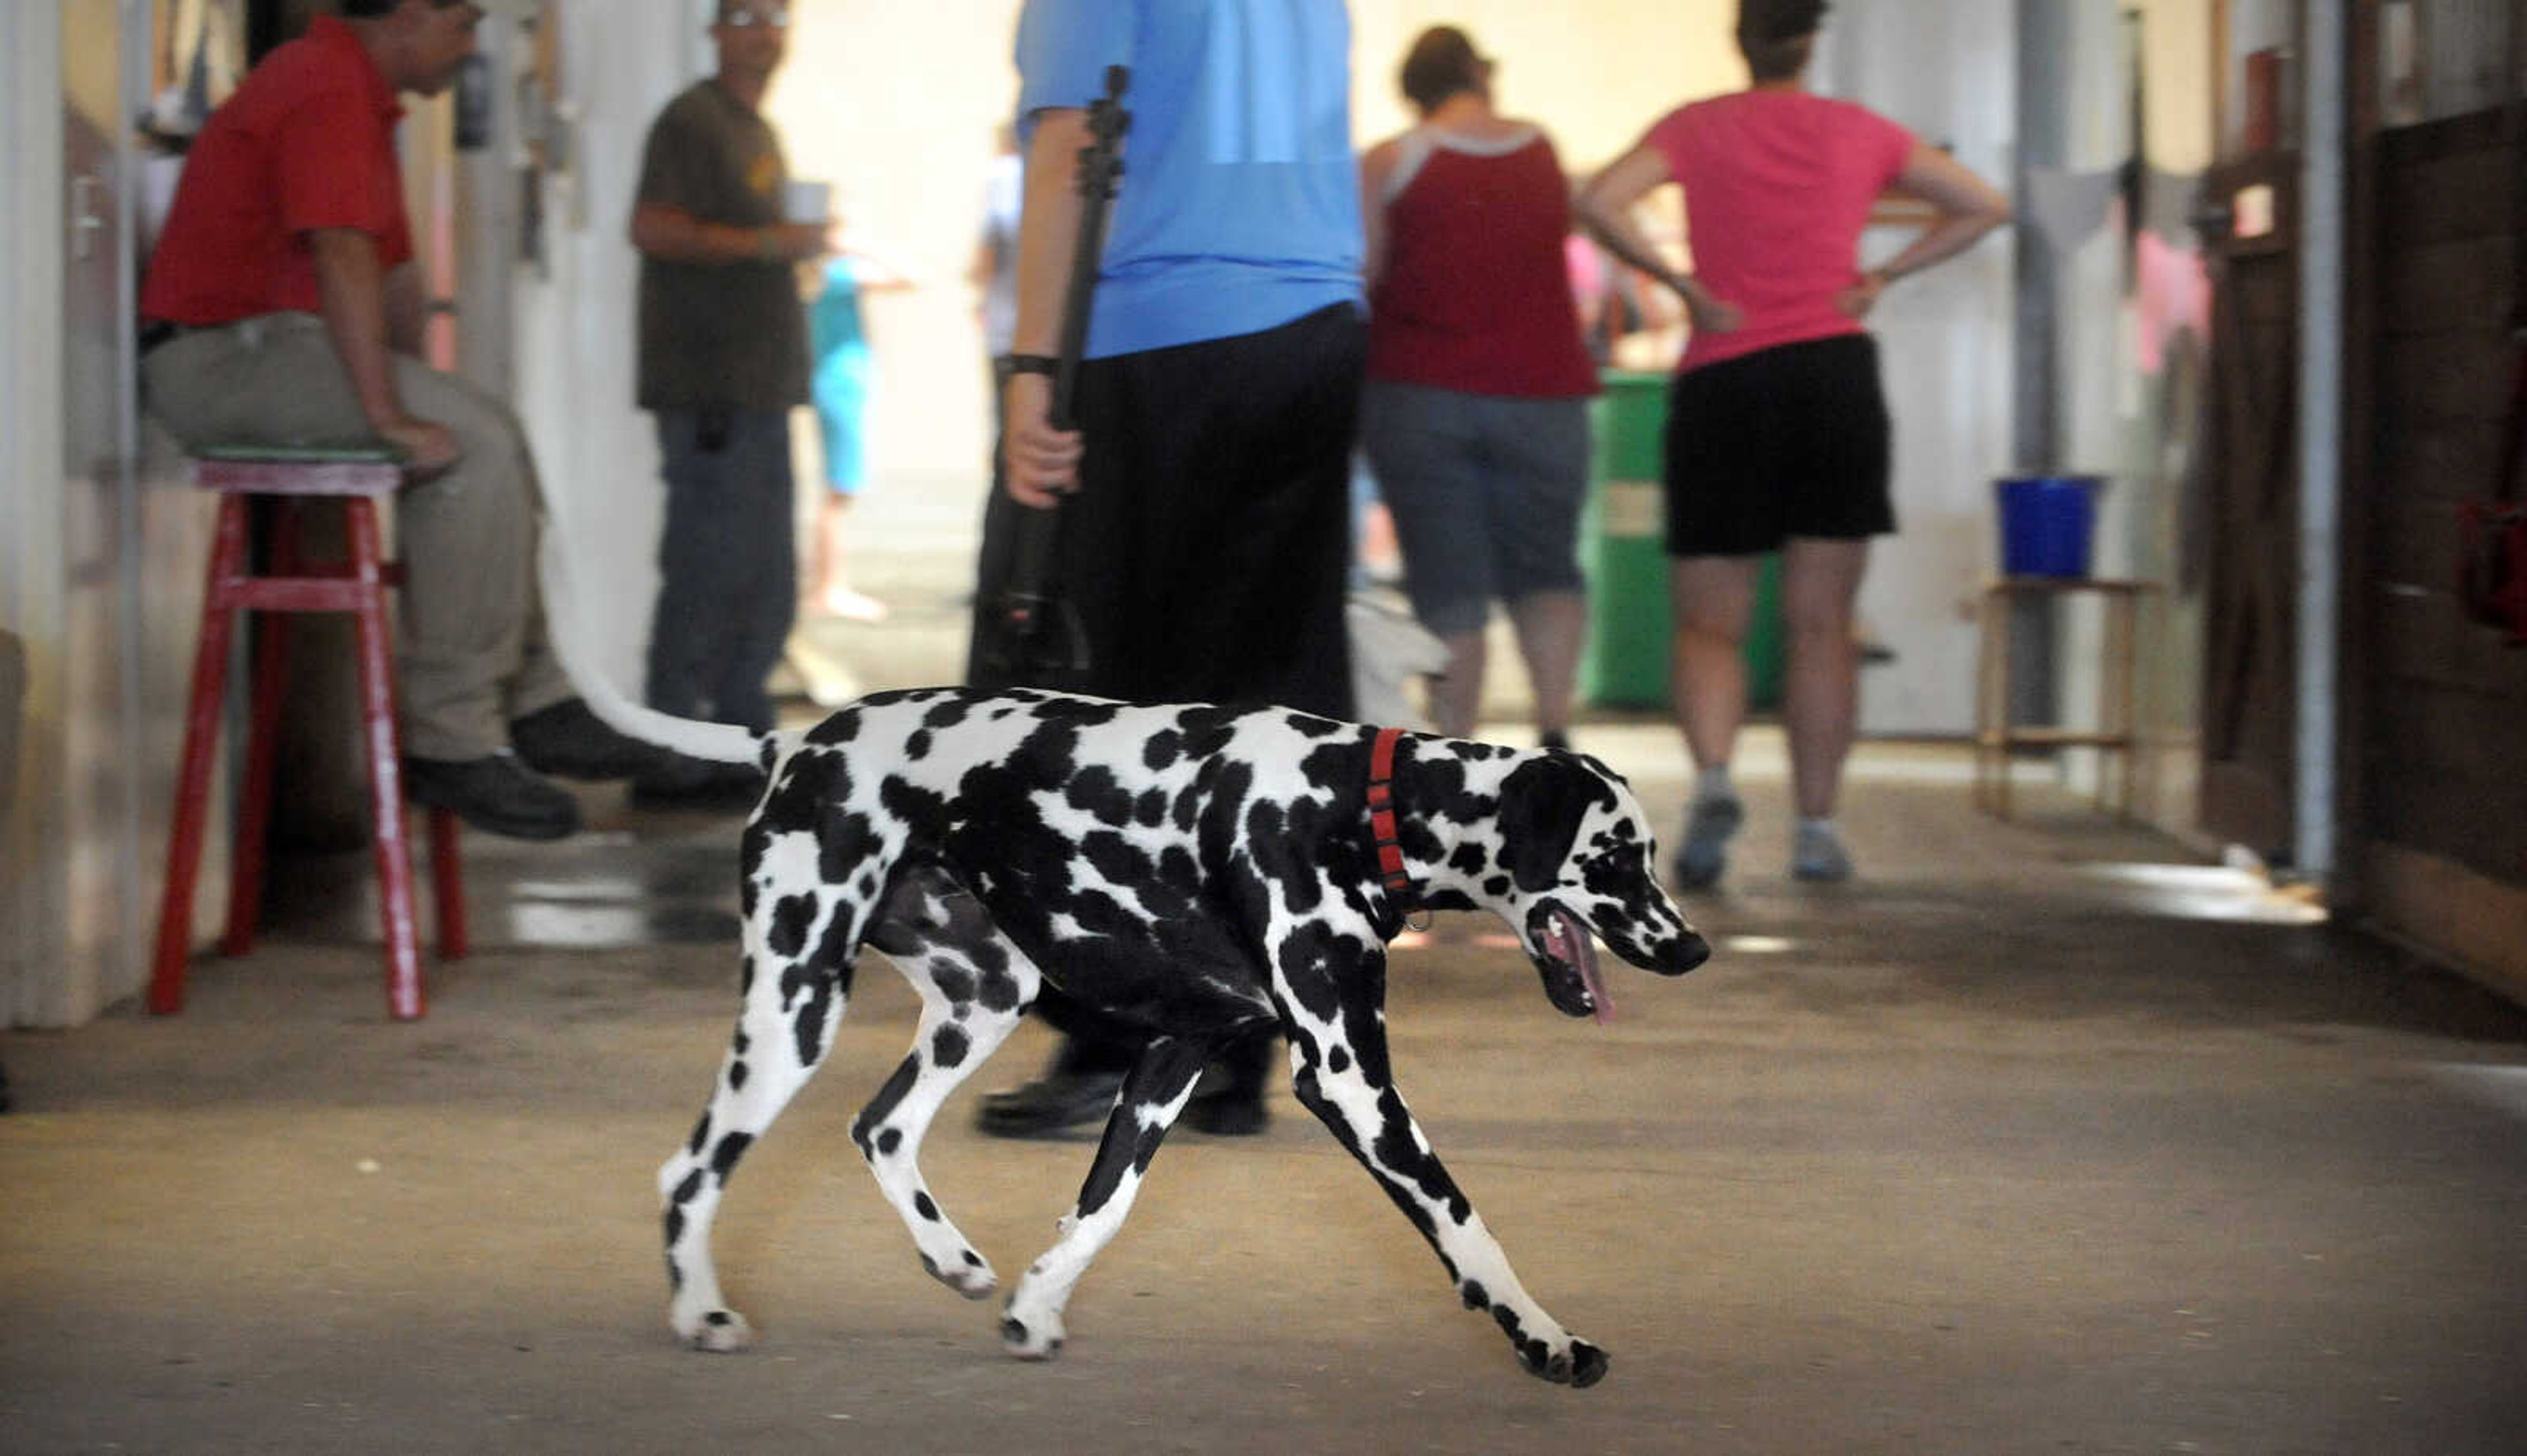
[[1690, 950]]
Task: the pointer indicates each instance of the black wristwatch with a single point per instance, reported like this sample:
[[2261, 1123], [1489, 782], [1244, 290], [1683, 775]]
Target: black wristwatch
[[1034, 364]]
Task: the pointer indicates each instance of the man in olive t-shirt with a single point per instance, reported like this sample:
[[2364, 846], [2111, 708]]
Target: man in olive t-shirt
[[723, 359]]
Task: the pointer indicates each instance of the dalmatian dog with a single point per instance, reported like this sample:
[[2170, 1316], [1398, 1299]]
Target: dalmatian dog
[[1192, 870]]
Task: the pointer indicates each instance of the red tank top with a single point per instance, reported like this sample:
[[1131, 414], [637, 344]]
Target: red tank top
[[1475, 295]]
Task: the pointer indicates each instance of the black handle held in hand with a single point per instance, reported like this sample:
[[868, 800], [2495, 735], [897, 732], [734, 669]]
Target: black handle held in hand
[[1031, 641]]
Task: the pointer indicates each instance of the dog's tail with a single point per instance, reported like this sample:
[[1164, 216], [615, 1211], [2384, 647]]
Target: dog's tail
[[718, 743]]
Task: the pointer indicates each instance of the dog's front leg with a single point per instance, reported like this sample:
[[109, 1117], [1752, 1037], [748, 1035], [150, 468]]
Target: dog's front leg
[[1156, 1092], [1342, 1074]]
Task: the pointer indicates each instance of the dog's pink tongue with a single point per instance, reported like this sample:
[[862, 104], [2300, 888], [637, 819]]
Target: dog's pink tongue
[[1568, 940]]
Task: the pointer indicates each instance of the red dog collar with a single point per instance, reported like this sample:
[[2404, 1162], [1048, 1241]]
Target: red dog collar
[[1381, 816]]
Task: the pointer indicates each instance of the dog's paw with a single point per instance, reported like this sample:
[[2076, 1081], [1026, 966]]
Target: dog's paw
[[722, 1331], [971, 1276], [1041, 1340], [1580, 1365]]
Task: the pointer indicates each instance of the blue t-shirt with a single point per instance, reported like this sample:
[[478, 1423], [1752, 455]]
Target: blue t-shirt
[[1239, 207]]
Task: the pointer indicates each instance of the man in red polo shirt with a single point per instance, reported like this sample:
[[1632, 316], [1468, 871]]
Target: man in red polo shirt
[[282, 307]]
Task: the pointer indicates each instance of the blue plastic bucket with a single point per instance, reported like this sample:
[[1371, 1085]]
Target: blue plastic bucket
[[2047, 523]]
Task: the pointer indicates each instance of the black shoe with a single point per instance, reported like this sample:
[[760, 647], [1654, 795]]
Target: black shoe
[[494, 793], [1053, 1103], [698, 785], [568, 740]]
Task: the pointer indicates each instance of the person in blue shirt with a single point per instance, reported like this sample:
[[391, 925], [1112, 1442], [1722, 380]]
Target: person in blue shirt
[[1206, 535], [841, 376]]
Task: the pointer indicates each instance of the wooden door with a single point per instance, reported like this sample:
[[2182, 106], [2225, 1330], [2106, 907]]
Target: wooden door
[[2250, 476]]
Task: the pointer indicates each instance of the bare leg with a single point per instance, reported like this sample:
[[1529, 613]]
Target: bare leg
[[1821, 685], [1551, 626], [833, 594], [1714, 597], [1457, 697]]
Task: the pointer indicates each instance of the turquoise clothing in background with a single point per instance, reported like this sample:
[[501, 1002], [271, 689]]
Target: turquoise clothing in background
[[1239, 208], [842, 371]]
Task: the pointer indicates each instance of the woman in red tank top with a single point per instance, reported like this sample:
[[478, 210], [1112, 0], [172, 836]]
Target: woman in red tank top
[[1476, 418]]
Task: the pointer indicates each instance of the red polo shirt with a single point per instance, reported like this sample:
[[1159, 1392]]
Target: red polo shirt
[[307, 141]]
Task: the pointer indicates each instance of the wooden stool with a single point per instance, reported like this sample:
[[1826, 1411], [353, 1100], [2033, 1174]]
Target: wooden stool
[[1995, 736], [359, 478]]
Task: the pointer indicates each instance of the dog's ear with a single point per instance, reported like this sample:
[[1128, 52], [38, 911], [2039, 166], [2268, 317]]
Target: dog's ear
[[1542, 802]]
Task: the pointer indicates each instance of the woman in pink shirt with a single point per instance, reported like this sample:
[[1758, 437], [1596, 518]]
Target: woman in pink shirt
[[1776, 432]]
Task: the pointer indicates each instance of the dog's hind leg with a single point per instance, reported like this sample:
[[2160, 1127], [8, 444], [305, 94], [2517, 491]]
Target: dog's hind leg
[[797, 979], [1341, 1072], [975, 986], [1160, 1086]]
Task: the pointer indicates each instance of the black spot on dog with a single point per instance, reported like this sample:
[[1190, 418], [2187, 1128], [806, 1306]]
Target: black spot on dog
[[702, 1136], [737, 1075], [1000, 991], [731, 1148], [792, 915], [890, 1140], [1476, 1295], [1338, 1061], [955, 982], [882, 1106], [916, 745], [949, 1045], [846, 843], [923, 1205], [687, 1189], [1096, 792]]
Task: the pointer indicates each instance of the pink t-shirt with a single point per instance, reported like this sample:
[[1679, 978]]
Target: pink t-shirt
[[1778, 187]]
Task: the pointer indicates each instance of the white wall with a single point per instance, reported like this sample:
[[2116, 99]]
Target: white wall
[[622, 59], [1949, 72], [33, 861]]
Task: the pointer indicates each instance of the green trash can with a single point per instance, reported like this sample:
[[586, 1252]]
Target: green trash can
[[1622, 551]]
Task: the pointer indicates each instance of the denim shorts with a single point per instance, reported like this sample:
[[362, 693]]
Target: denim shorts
[[1485, 490]]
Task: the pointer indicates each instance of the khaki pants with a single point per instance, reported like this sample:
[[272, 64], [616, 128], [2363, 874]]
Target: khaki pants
[[471, 652]]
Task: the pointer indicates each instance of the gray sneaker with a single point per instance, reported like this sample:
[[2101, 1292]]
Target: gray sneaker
[[1819, 858], [1707, 831]]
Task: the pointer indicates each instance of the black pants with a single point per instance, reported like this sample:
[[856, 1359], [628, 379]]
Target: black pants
[[1207, 554]]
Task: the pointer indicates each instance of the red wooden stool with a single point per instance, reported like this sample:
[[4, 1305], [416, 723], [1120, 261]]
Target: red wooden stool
[[359, 478]]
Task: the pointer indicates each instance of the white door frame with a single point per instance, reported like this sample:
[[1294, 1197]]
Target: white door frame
[[31, 596]]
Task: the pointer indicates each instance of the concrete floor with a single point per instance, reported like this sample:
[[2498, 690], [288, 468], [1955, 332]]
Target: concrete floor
[[2039, 1138]]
